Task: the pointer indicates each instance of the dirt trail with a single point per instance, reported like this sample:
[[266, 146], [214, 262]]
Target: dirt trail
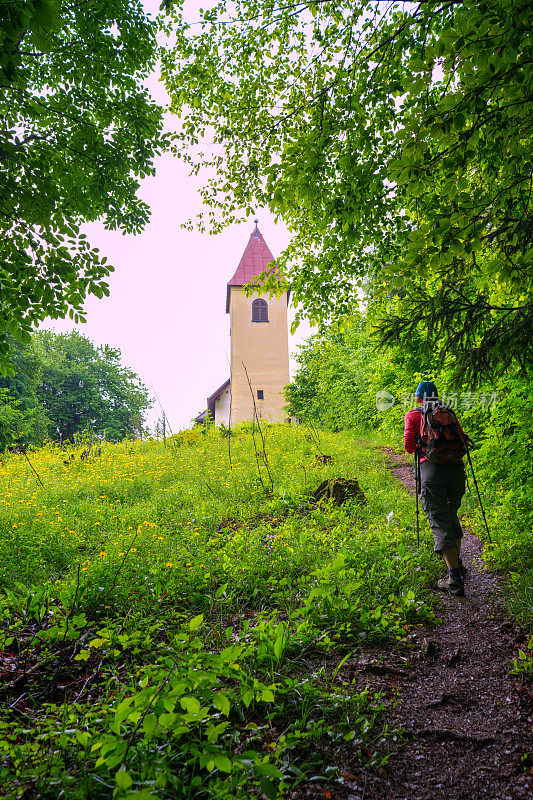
[[467, 723]]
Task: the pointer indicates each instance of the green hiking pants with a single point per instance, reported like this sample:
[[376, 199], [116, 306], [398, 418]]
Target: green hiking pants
[[442, 489]]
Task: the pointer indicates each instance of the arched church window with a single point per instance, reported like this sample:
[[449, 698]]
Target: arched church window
[[259, 311]]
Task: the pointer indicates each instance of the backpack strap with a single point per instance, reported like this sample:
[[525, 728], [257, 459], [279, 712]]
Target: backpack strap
[[419, 435], [425, 411], [465, 438]]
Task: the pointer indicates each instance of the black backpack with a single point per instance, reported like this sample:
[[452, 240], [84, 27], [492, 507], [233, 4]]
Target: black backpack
[[441, 435]]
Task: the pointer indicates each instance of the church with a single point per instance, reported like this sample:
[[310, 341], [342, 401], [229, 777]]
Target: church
[[259, 364]]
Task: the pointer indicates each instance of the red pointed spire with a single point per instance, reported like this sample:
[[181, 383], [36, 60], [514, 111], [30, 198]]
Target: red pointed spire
[[255, 259]]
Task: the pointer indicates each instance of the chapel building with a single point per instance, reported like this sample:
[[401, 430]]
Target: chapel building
[[259, 346]]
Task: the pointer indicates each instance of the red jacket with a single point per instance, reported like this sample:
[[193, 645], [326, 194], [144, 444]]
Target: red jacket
[[414, 422], [413, 428]]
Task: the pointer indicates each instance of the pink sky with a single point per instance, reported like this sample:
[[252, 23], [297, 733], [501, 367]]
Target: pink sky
[[166, 310]]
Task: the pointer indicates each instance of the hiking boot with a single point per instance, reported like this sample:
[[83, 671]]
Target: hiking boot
[[464, 570], [453, 585]]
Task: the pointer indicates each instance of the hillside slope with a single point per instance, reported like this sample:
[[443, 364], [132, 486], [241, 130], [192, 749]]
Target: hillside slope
[[185, 621]]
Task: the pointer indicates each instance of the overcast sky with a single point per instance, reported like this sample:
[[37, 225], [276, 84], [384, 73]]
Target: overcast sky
[[166, 309]]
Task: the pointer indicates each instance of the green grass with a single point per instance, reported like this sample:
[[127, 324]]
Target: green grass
[[172, 609]]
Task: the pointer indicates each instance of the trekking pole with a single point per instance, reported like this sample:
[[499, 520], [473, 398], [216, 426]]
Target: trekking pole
[[417, 478], [478, 494]]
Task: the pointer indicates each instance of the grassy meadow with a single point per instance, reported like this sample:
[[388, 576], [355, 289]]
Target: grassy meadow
[[175, 617]]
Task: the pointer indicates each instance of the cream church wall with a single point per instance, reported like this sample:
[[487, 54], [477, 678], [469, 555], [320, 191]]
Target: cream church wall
[[264, 349], [222, 408]]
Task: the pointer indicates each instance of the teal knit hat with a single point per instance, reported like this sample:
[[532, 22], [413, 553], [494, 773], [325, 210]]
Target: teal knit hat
[[426, 390]]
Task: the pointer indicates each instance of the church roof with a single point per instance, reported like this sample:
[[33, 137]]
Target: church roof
[[211, 400], [255, 260]]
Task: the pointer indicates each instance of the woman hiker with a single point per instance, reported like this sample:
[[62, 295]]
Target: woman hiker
[[435, 430]]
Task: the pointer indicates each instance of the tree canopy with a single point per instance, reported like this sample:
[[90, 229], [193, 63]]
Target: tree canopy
[[22, 417], [395, 141], [63, 385], [78, 131], [82, 385]]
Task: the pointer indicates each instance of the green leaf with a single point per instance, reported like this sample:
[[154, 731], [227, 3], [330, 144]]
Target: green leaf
[[123, 709], [265, 768], [149, 724], [223, 763], [196, 622], [338, 563], [83, 655], [123, 779], [190, 704], [168, 719], [221, 591], [268, 788], [221, 702], [247, 697]]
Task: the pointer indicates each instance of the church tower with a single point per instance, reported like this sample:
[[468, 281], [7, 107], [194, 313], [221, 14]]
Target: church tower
[[259, 346], [259, 340]]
